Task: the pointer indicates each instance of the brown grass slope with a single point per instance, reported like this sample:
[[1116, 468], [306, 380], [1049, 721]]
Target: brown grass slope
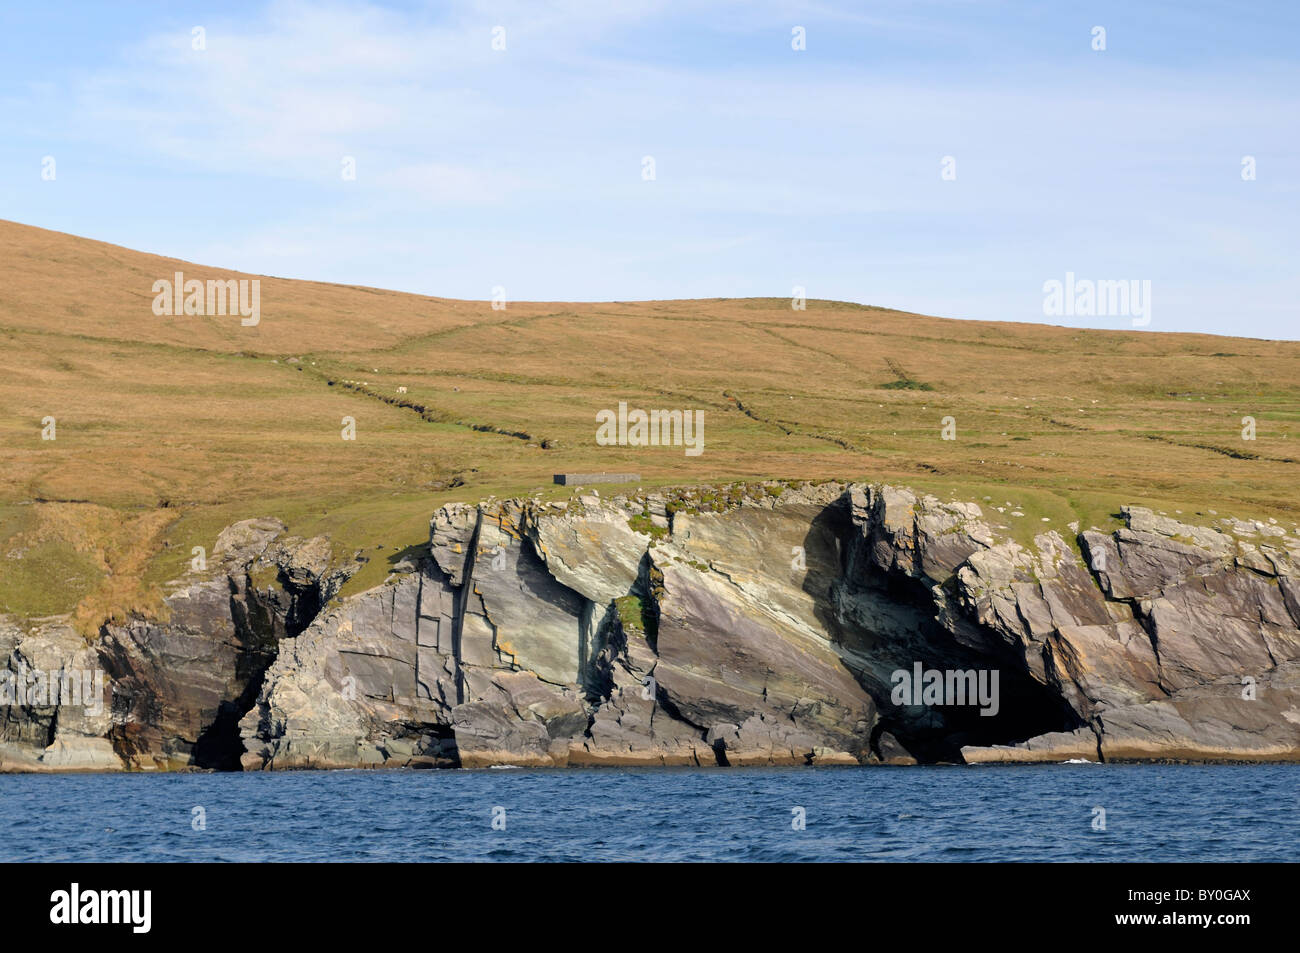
[[169, 428]]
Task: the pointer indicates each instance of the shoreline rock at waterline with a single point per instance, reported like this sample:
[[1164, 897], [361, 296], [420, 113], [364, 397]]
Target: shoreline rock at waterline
[[753, 626]]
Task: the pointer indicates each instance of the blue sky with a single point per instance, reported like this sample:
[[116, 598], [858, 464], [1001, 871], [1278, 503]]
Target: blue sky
[[774, 168]]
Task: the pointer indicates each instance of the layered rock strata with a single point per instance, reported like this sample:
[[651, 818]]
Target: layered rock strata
[[815, 624]]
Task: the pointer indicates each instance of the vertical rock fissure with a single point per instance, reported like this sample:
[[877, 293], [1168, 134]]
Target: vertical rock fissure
[[462, 605], [260, 625]]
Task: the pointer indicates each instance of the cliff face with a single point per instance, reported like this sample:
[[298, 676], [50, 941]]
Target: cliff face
[[823, 624], [168, 693]]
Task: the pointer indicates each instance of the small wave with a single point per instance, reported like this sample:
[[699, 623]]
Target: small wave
[[505, 767], [1078, 761]]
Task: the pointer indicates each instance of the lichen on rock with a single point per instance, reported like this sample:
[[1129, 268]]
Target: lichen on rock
[[700, 626]]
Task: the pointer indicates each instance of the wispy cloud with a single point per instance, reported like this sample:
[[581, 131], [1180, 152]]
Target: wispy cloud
[[820, 167]]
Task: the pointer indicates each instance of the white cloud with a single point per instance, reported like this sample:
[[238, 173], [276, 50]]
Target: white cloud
[[529, 161]]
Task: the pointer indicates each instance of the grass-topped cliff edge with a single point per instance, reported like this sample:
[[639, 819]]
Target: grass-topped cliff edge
[[169, 428]]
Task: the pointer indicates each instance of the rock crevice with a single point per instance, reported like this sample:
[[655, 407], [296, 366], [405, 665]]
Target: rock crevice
[[759, 625]]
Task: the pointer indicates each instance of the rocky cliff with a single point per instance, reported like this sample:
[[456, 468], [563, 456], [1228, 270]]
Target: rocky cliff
[[827, 624]]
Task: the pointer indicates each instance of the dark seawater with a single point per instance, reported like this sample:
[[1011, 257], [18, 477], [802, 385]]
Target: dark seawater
[[984, 813]]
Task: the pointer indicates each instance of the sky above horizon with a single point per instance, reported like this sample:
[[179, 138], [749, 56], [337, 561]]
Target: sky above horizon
[[820, 168]]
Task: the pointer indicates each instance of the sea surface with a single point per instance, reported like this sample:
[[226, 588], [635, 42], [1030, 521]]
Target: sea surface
[[957, 813]]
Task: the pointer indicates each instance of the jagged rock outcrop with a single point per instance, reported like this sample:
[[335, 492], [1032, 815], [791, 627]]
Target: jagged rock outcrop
[[770, 630], [174, 688], [54, 702], [817, 624], [1185, 649]]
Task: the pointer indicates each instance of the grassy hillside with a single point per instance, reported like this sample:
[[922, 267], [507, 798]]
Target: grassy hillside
[[169, 428]]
